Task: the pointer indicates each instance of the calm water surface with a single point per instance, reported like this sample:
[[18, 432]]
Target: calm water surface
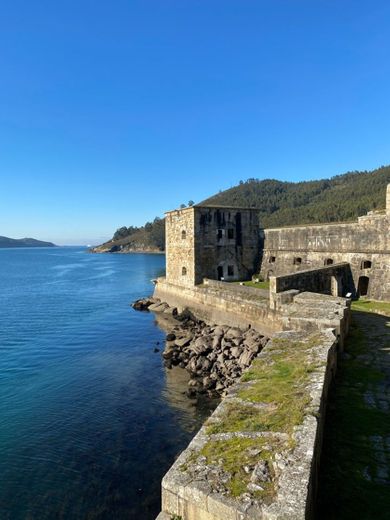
[[89, 418]]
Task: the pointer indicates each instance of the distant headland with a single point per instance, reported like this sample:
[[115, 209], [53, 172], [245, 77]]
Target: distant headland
[[24, 242]]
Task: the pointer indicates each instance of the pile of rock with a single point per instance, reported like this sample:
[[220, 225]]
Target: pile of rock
[[214, 355], [155, 305]]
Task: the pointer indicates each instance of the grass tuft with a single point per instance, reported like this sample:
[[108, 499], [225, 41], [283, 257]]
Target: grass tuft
[[371, 306]]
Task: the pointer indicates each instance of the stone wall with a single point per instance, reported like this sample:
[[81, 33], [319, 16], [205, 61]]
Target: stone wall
[[197, 486], [364, 244], [180, 246], [334, 280], [227, 243], [211, 242], [230, 304], [221, 302], [275, 470]]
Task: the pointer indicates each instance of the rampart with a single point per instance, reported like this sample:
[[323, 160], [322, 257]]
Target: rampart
[[364, 244], [226, 303], [335, 280], [265, 451], [258, 454]]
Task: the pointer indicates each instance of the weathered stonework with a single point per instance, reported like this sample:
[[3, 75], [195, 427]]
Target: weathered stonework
[[197, 487], [280, 453], [224, 303], [216, 243], [364, 244], [335, 280], [227, 243]]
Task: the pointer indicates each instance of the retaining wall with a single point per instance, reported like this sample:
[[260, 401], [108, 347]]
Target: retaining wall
[[192, 488], [201, 485]]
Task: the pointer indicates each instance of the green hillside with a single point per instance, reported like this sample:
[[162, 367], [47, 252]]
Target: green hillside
[[341, 198], [148, 238]]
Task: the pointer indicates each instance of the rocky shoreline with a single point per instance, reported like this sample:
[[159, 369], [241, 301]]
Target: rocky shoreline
[[124, 250], [215, 356]]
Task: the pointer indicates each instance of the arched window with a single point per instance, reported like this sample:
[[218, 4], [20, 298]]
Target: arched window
[[183, 234], [297, 260], [366, 264], [184, 271], [328, 261], [272, 259], [270, 273]]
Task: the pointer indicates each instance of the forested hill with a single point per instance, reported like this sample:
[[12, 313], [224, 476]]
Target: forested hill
[[340, 198], [149, 238], [23, 242]]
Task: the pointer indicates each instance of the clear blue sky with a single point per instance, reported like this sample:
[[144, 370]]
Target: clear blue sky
[[112, 112]]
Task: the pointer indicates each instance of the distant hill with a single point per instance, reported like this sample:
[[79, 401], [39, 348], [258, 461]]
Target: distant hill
[[341, 198], [149, 238], [24, 242]]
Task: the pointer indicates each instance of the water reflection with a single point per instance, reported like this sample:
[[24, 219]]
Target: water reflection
[[193, 411]]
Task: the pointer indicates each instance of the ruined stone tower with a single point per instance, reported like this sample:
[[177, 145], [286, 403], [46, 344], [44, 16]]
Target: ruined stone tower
[[219, 243]]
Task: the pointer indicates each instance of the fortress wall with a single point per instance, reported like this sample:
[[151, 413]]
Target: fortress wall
[[180, 248], [334, 280], [228, 304], [188, 489], [220, 303], [293, 249], [216, 249]]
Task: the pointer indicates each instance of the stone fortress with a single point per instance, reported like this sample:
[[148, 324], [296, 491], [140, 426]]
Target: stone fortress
[[314, 271], [222, 243]]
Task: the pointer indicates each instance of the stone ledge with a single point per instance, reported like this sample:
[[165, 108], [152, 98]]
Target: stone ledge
[[192, 495]]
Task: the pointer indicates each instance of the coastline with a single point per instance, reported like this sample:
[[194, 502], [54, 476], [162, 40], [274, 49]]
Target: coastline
[[127, 251]]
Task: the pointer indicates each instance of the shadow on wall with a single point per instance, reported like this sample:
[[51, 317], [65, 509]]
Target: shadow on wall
[[334, 280]]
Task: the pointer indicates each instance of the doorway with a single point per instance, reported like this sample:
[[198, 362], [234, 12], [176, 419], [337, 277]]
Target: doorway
[[220, 272], [363, 285]]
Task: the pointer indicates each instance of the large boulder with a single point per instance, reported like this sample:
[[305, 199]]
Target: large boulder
[[246, 358]]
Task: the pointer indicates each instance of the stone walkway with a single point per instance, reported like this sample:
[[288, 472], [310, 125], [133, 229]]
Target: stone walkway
[[355, 472]]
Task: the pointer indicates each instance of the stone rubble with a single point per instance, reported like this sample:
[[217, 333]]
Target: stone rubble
[[215, 356]]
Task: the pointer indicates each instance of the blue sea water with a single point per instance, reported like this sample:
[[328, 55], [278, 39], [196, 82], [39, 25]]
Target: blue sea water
[[90, 419]]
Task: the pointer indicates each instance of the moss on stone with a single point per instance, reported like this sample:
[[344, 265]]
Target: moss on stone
[[234, 455], [281, 381], [275, 402]]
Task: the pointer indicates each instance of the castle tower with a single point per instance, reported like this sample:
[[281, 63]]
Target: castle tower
[[220, 243]]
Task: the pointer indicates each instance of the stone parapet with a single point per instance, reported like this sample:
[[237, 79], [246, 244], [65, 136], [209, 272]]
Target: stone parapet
[[257, 457], [258, 454], [221, 302]]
